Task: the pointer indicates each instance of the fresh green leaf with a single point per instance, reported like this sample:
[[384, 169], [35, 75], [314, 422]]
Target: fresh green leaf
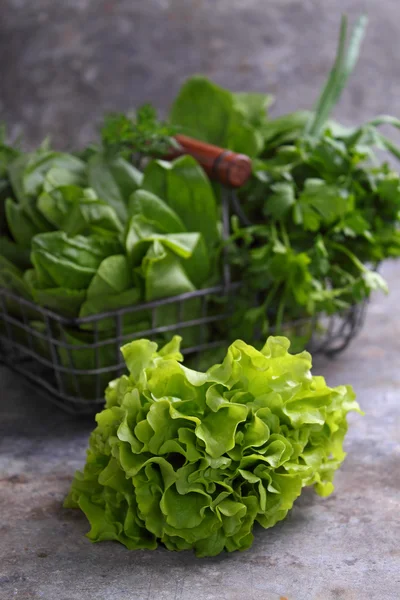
[[253, 106], [143, 133], [21, 226], [322, 203], [280, 201], [156, 211], [208, 112], [69, 262], [29, 172], [76, 210], [163, 274], [112, 287], [342, 68], [113, 180], [186, 189]]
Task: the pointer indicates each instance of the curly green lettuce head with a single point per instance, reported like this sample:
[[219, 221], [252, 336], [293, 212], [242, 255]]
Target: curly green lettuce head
[[193, 459]]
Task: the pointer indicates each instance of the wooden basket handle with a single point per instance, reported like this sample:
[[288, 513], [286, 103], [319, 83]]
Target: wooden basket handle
[[229, 168]]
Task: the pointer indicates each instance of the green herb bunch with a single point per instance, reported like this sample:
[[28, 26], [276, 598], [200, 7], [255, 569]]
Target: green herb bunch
[[320, 212], [141, 134]]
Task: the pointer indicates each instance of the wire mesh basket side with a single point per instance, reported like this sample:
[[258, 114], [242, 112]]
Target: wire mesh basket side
[[74, 359], [321, 333]]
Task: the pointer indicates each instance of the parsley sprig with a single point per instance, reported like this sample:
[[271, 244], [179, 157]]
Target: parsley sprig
[[142, 133]]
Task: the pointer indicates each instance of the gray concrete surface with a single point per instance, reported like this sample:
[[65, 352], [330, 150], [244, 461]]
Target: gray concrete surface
[[65, 63], [345, 547]]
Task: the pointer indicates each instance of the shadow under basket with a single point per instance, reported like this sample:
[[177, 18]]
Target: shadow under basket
[[71, 361]]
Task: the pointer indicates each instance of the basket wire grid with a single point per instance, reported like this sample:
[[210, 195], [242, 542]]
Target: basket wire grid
[[72, 360]]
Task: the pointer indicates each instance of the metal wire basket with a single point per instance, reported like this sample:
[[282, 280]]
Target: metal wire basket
[[72, 360], [73, 366]]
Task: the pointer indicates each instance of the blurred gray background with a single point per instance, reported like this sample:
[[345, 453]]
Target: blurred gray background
[[65, 63]]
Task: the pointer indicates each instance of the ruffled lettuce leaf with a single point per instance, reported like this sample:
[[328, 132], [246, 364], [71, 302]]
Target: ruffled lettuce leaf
[[192, 460]]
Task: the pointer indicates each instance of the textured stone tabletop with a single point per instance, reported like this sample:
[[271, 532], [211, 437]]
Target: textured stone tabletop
[[345, 547], [65, 64]]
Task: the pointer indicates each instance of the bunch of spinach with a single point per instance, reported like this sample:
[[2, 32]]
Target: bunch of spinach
[[320, 211], [90, 233]]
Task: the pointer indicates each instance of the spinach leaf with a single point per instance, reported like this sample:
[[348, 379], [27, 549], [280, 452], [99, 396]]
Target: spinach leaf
[[112, 287], [184, 186], [208, 112], [163, 273], [21, 226], [113, 180], [76, 210], [28, 172], [60, 299], [69, 262], [155, 211]]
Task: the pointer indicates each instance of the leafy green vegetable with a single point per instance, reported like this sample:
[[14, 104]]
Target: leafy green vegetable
[[112, 287], [69, 262], [193, 460], [342, 68], [253, 106], [284, 129], [208, 112], [21, 226], [163, 273], [7, 155], [81, 355], [83, 236], [29, 173], [155, 211], [50, 191], [76, 210], [67, 227], [324, 212], [15, 253], [61, 299], [143, 134], [173, 260], [184, 186], [113, 180], [11, 278]]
